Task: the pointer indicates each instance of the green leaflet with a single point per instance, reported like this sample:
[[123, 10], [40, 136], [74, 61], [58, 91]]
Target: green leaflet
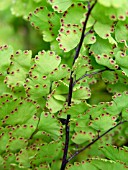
[[60, 87], [56, 99], [42, 137], [82, 122], [78, 10], [60, 72], [15, 144], [45, 62], [96, 110], [101, 10], [60, 97], [82, 65], [121, 59], [103, 30], [25, 130], [112, 108], [125, 70], [101, 46], [122, 27], [6, 105], [5, 53], [60, 93], [107, 164], [48, 25], [81, 166], [10, 157], [83, 136], [125, 113], [3, 87], [54, 105], [1, 161], [62, 6], [121, 136], [81, 93], [96, 164], [68, 37], [109, 14], [102, 108], [103, 116], [56, 164], [50, 125], [115, 154], [76, 109], [117, 88], [23, 158], [103, 123], [117, 13], [90, 38], [46, 152], [110, 77], [117, 80], [107, 61], [119, 100], [15, 111], [120, 76], [18, 70], [41, 74], [4, 139], [22, 8], [70, 29]]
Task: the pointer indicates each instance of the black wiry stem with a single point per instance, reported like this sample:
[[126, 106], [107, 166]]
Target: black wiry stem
[[66, 144], [88, 74], [83, 36], [70, 89], [64, 160], [84, 148], [77, 52]]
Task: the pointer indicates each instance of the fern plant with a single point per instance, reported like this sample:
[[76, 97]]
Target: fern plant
[[47, 119]]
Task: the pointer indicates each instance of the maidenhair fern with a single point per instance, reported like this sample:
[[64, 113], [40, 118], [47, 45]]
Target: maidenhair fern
[[46, 118]]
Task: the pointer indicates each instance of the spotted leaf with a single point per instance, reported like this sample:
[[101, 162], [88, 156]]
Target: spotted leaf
[[5, 54], [48, 25], [115, 154], [68, 37], [50, 125]]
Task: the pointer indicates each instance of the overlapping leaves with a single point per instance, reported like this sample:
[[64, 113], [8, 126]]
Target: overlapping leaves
[[28, 135]]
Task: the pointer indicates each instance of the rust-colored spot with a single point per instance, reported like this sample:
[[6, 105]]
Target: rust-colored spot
[[41, 7], [57, 58], [37, 57], [63, 66], [17, 53], [121, 17], [37, 85], [44, 86], [113, 16], [55, 7], [44, 77]]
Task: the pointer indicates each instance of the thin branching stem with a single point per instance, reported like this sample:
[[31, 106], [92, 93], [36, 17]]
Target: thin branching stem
[[78, 51], [83, 31], [66, 144], [88, 74], [64, 160], [100, 136]]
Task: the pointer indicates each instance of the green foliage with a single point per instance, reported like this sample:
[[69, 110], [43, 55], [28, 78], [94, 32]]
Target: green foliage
[[96, 164], [35, 88]]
